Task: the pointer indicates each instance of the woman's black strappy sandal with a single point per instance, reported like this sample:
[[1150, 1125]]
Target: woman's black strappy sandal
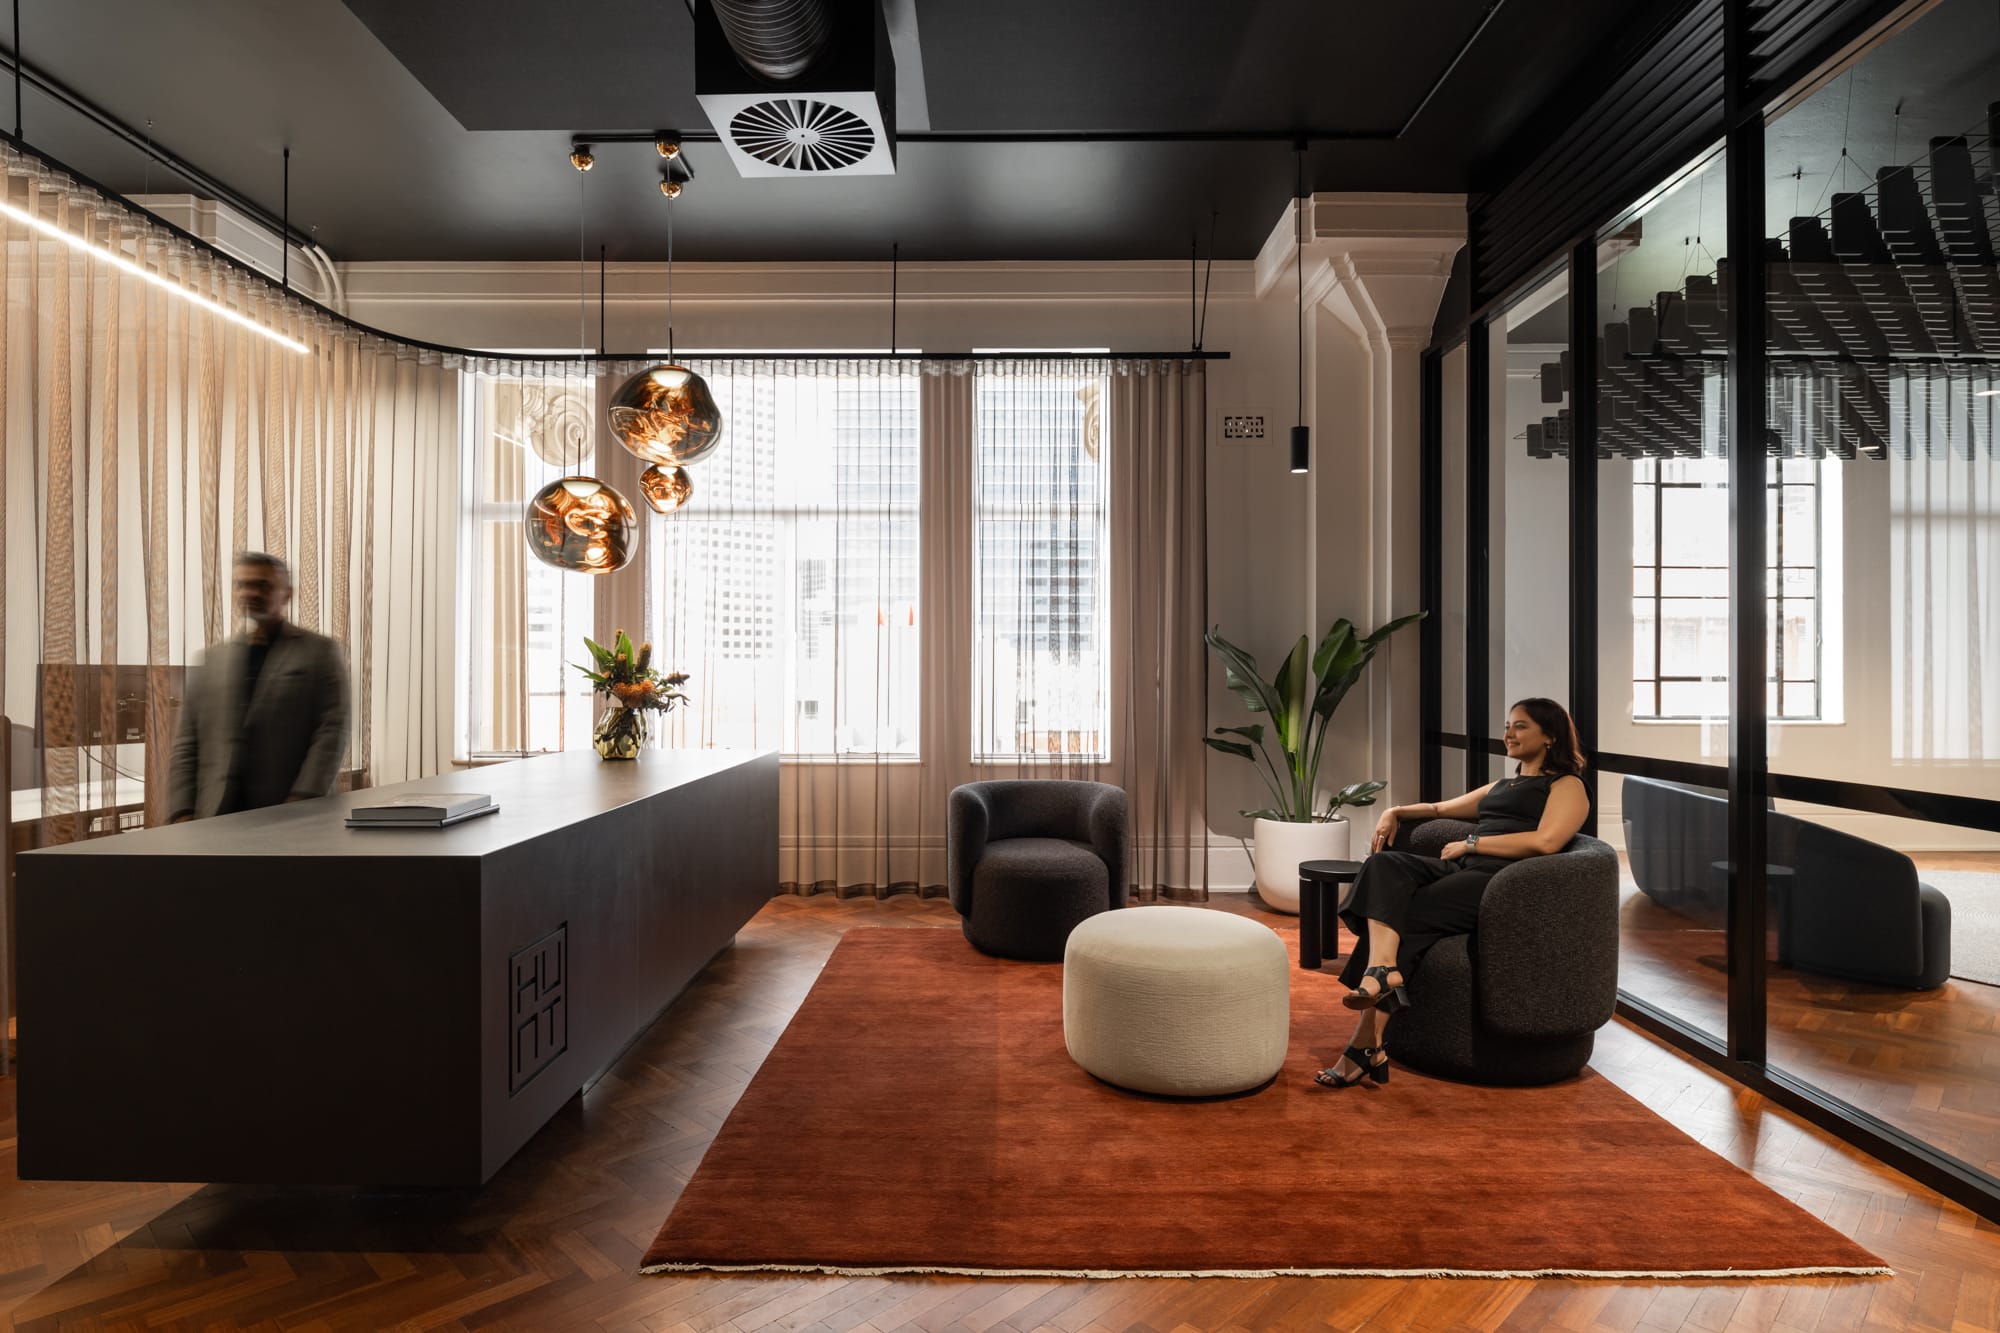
[[1389, 999], [1364, 1060]]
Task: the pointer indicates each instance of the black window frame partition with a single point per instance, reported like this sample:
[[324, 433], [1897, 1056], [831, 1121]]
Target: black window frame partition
[[1768, 50]]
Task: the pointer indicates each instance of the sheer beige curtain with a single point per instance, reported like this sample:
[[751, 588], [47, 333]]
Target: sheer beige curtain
[[148, 438], [789, 591], [1089, 552], [1159, 611], [527, 424], [907, 577]]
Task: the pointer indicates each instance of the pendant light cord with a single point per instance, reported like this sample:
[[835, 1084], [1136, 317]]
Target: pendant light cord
[[670, 278], [1299, 262]]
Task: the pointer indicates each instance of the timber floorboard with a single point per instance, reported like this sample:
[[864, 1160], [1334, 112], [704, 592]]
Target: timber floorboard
[[1927, 1062], [554, 1241]]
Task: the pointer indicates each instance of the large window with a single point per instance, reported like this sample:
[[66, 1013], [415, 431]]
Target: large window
[[1041, 565], [1680, 588], [788, 587]]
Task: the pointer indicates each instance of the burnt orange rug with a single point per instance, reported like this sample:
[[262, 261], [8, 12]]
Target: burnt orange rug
[[921, 1115]]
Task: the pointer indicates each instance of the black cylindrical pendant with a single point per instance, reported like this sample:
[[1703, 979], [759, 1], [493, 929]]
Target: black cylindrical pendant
[[1301, 447]]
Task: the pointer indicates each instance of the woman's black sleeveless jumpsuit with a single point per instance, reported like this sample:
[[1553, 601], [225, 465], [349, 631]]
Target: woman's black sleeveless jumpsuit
[[1423, 899]]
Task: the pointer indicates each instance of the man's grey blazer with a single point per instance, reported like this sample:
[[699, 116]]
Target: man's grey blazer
[[298, 714]]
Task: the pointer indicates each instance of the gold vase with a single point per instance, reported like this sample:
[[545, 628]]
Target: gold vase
[[620, 733]]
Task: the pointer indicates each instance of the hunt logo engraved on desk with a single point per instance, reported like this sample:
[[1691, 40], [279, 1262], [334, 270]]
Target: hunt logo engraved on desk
[[539, 1019]]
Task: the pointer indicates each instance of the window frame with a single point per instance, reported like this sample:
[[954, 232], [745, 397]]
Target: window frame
[[1647, 477]]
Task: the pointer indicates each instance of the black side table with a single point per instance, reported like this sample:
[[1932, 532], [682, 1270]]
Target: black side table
[[1319, 905]]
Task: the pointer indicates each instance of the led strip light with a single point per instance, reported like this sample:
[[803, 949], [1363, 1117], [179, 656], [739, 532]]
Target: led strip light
[[124, 265]]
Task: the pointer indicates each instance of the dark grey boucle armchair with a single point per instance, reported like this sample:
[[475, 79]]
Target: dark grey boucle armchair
[[1520, 999], [1031, 859]]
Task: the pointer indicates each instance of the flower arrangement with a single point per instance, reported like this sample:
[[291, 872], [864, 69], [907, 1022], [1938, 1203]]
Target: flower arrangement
[[627, 675]]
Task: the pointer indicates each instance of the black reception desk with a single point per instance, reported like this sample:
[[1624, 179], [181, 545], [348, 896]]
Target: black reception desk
[[271, 997]]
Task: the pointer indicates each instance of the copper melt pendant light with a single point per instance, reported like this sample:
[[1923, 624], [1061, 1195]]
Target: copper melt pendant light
[[1301, 433], [579, 523], [665, 416]]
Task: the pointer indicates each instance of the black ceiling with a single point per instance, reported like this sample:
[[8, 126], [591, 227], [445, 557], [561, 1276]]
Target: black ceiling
[[440, 130]]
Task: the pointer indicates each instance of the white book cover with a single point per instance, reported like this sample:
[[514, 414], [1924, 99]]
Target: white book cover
[[430, 805]]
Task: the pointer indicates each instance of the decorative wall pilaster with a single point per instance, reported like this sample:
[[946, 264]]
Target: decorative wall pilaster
[[1375, 269]]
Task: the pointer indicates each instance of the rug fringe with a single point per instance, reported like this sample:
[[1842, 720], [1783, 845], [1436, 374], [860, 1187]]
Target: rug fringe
[[1652, 1274]]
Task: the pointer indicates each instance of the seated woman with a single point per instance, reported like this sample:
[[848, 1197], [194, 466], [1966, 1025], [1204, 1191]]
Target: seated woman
[[1404, 903]]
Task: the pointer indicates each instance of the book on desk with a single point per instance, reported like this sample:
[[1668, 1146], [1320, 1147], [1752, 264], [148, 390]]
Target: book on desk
[[422, 810]]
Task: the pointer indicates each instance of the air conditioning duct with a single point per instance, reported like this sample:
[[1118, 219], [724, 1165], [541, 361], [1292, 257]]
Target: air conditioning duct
[[776, 39], [798, 87]]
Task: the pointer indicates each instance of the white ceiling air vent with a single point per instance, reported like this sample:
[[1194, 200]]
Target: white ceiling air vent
[[828, 113], [802, 134]]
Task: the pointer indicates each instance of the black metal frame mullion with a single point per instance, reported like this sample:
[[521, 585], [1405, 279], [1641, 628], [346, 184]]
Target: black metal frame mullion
[[1583, 510], [1749, 706], [1430, 575], [1478, 579]]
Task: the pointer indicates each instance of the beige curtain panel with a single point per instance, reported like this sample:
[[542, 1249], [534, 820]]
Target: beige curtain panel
[[149, 437]]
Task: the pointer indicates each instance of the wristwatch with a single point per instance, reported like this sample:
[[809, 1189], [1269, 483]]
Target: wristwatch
[[1471, 842]]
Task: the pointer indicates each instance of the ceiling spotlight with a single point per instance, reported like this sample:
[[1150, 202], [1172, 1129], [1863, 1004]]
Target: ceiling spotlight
[[582, 158], [667, 148], [670, 188]]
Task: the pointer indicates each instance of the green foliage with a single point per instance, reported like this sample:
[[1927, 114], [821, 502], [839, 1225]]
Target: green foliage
[[1300, 701], [627, 674]]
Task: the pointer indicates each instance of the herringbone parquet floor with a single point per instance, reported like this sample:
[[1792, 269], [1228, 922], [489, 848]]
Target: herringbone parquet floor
[[1924, 1061], [554, 1241]]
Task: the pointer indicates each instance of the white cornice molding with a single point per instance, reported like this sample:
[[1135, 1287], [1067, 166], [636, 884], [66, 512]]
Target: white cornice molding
[[1375, 233], [1150, 281]]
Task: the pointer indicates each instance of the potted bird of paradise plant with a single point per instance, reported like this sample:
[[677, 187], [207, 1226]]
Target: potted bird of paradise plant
[[635, 687], [1300, 701]]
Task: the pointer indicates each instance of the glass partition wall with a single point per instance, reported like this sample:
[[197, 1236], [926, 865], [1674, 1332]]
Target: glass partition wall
[[1527, 609], [1810, 864], [1883, 346], [1449, 553], [1663, 589]]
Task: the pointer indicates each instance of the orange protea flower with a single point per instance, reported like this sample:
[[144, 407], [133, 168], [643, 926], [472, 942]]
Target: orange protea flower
[[635, 694]]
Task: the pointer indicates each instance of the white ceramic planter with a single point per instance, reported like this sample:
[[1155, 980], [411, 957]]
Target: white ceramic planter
[[1279, 849]]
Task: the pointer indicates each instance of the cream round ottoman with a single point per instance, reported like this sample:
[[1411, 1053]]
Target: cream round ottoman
[[1177, 1000]]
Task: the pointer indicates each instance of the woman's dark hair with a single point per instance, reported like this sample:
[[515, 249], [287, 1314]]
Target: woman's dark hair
[[1565, 756]]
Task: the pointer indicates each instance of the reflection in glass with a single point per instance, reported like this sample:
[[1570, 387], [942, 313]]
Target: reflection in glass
[[1673, 919], [1529, 442], [1451, 628], [1884, 349], [1663, 586]]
